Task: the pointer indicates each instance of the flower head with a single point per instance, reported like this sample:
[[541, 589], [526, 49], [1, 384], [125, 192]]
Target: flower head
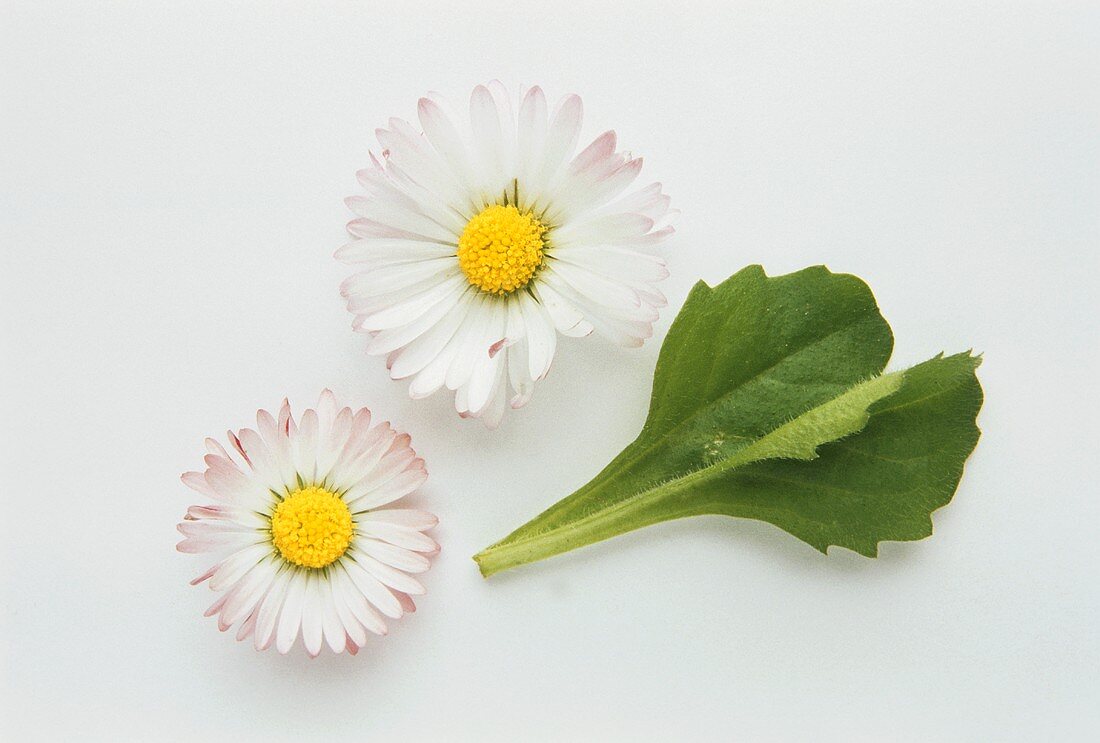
[[479, 243], [304, 542]]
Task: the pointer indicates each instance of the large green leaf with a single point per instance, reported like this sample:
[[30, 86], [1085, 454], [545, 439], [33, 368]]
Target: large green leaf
[[769, 403]]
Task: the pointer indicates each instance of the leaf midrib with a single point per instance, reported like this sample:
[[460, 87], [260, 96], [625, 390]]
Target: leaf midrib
[[719, 467], [700, 410]]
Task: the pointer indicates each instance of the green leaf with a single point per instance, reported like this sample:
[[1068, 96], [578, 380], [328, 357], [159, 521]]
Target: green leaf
[[769, 403]]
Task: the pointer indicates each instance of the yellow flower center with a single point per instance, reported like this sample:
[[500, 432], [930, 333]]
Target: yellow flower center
[[312, 527], [501, 248]]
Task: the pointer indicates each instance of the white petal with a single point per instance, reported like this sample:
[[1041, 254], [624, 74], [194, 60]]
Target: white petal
[[514, 328], [203, 528], [392, 555], [405, 517], [531, 138], [379, 252], [602, 229], [627, 326], [241, 517], [600, 149], [430, 344], [541, 339], [290, 618], [370, 229], [265, 467], [399, 536], [487, 365], [331, 625], [480, 333], [197, 482], [648, 201], [230, 571], [387, 341], [352, 627], [356, 602], [213, 447], [590, 190], [376, 593], [507, 126], [395, 489], [232, 486], [304, 446], [313, 614], [388, 575], [409, 309], [616, 264], [566, 317], [270, 605], [278, 442], [493, 411], [561, 140], [434, 374], [519, 374], [488, 142], [360, 439], [249, 591], [483, 382], [392, 189], [396, 278], [597, 289], [415, 156], [400, 218], [445, 138], [397, 457], [328, 450], [223, 543], [247, 627]]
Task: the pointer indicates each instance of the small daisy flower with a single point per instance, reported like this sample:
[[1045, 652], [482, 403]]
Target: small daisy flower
[[481, 239], [303, 541]]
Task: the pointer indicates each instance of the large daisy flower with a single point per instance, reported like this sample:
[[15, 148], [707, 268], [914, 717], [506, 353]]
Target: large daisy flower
[[479, 243], [303, 540]]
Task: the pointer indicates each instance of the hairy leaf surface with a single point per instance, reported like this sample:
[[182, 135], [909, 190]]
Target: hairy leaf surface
[[769, 402]]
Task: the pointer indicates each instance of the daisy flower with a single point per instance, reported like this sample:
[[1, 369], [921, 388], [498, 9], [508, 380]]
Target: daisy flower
[[482, 238], [303, 541]]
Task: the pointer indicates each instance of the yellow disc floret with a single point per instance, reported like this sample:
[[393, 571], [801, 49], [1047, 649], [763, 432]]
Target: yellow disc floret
[[312, 527], [501, 248]]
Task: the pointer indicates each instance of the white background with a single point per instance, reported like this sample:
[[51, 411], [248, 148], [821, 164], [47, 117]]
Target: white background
[[171, 184]]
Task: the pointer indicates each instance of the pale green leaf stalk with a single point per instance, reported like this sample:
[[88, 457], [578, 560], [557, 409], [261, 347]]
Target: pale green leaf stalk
[[769, 403]]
